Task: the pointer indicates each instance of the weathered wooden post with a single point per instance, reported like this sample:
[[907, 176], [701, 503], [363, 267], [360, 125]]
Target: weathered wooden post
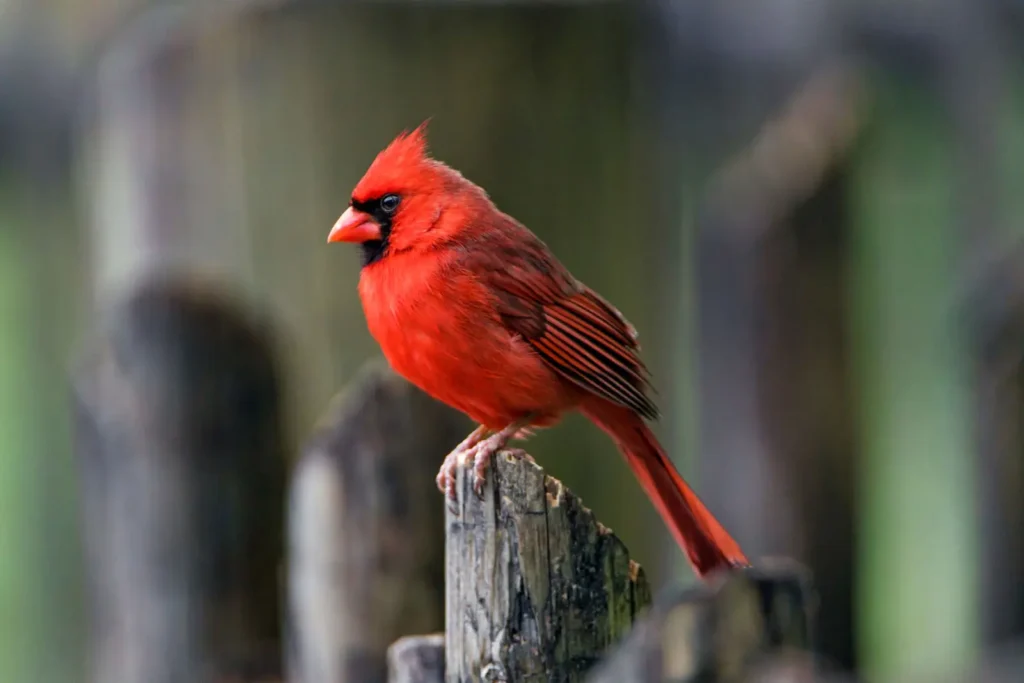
[[717, 632], [539, 591], [537, 588], [365, 530], [182, 459]]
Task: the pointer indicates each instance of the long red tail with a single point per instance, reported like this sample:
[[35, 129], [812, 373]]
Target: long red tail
[[704, 540]]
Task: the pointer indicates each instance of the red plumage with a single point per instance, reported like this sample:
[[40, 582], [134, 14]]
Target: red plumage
[[470, 306]]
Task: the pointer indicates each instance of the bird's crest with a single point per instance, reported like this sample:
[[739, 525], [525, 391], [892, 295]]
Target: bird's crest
[[404, 162]]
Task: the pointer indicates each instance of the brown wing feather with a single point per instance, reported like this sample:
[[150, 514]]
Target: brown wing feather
[[575, 331]]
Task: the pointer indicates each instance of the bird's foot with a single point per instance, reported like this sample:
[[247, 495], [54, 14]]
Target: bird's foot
[[446, 475], [446, 478], [481, 456], [485, 450], [481, 460], [523, 434], [476, 450]]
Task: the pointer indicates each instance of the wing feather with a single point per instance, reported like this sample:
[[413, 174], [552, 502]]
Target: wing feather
[[576, 332]]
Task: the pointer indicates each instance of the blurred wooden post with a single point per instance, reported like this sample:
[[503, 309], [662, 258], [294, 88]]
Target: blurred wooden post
[[973, 82], [365, 530], [417, 659], [537, 588], [717, 632], [182, 459], [994, 310], [778, 429]]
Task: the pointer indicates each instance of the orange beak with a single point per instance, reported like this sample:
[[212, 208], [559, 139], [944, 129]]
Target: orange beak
[[354, 226]]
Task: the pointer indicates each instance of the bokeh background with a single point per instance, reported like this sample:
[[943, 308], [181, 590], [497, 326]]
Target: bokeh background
[[810, 210]]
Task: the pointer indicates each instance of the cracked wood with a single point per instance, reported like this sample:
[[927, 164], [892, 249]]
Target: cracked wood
[[537, 588]]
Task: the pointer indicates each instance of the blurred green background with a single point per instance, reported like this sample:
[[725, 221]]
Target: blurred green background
[[819, 362]]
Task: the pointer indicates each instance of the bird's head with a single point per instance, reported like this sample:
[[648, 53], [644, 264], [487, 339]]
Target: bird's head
[[399, 202]]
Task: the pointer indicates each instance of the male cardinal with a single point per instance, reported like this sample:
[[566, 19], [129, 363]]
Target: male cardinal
[[470, 306]]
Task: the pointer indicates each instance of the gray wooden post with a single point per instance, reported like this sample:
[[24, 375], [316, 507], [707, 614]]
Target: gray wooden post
[[182, 466], [719, 631], [537, 588], [417, 659], [366, 530]]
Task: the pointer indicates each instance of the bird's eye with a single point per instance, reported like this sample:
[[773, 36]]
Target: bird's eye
[[389, 203]]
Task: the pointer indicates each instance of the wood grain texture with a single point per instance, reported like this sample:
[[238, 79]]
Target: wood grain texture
[[182, 456], [365, 529], [717, 632], [537, 588]]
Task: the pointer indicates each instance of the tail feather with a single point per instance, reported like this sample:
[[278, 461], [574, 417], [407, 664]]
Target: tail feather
[[704, 540]]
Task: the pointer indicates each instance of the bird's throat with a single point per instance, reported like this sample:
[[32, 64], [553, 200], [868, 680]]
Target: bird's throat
[[373, 250]]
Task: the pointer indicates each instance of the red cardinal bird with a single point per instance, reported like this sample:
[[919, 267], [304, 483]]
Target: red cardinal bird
[[470, 306]]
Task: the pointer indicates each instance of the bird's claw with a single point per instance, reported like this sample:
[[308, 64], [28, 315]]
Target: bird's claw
[[446, 479], [481, 458], [482, 454], [523, 434], [447, 476], [475, 451]]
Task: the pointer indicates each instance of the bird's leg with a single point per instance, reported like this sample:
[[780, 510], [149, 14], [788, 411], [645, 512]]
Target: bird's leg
[[486, 448], [523, 434], [446, 475]]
